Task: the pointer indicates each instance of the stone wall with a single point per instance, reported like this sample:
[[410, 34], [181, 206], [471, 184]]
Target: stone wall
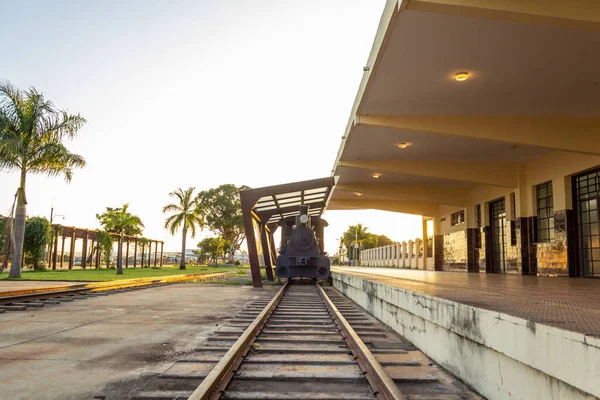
[[553, 258], [455, 251]]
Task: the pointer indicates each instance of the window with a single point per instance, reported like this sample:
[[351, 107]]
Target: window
[[478, 224], [429, 246], [545, 212], [513, 220], [458, 218]]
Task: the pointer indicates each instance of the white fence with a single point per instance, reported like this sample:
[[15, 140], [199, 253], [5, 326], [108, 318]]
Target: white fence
[[401, 255]]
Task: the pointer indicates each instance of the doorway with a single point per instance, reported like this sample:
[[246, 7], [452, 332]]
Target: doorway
[[587, 196], [498, 225]]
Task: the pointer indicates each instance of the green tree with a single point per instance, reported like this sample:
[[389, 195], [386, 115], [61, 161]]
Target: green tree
[[5, 241], [358, 234], [122, 222], [369, 242], [3, 236], [32, 132], [38, 233], [383, 240], [201, 257], [3, 222], [222, 213], [213, 246], [184, 215], [142, 243], [105, 244]]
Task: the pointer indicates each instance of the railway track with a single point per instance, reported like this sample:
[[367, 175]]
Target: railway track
[[21, 301], [305, 343], [36, 300]]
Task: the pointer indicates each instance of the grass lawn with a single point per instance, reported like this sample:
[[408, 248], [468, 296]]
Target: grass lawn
[[243, 277], [102, 275]]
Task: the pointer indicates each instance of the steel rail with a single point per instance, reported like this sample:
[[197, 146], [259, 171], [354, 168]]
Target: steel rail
[[220, 375], [383, 385]]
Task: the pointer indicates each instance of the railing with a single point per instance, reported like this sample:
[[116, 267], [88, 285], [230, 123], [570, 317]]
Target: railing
[[400, 255]]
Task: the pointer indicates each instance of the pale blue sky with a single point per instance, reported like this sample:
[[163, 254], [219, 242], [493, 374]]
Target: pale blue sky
[[181, 93]]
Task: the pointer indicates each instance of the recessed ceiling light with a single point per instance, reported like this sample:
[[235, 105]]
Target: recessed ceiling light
[[461, 76], [376, 175], [358, 193], [403, 145]]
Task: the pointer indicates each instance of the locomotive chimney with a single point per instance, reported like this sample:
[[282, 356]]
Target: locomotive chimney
[[303, 216], [304, 209]]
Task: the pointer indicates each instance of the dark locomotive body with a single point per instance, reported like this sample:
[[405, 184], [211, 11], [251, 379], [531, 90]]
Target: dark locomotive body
[[301, 254]]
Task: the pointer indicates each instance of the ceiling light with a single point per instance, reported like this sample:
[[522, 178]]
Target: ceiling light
[[461, 76], [358, 193], [376, 176], [403, 145]]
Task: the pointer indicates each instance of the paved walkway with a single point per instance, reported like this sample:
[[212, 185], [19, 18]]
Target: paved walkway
[[568, 303], [108, 346], [10, 286]]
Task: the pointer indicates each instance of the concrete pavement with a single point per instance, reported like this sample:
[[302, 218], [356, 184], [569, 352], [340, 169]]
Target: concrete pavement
[[107, 345], [9, 286]]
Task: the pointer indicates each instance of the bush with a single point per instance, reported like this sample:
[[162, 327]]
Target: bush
[[38, 233], [237, 263]]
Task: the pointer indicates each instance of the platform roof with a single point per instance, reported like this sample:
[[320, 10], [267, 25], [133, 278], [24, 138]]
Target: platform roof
[[533, 81], [273, 203]]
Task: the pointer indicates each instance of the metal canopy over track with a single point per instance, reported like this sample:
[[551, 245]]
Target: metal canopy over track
[[264, 207]]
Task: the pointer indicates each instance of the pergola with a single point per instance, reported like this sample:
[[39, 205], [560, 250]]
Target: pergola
[[264, 208], [89, 252]]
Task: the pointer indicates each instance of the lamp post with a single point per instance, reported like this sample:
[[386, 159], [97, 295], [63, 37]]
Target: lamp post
[[356, 246]]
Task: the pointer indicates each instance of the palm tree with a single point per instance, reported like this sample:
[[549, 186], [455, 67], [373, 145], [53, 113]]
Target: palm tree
[[32, 132], [358, 235], [120, 221], [185, 214]]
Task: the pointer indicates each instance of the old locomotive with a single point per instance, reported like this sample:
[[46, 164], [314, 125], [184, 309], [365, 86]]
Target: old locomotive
[[302, 253]]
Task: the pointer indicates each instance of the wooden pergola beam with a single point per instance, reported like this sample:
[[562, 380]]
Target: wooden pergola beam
[[249, 199]]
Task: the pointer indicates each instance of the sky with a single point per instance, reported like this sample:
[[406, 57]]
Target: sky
[[191, 93]]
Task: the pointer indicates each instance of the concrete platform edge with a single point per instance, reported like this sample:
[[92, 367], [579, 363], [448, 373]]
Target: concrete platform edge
[[499, 355], [111, 284]]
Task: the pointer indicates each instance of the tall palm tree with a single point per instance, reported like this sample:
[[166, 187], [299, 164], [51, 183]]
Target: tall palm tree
[[357, 235], [120, 221], [184, 214], [32, 132]]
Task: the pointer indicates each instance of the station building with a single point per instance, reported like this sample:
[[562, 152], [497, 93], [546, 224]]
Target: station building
[[484, 118]]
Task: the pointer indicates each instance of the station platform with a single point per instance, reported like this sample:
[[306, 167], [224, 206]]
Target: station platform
[[508, 337], [570, 304]]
